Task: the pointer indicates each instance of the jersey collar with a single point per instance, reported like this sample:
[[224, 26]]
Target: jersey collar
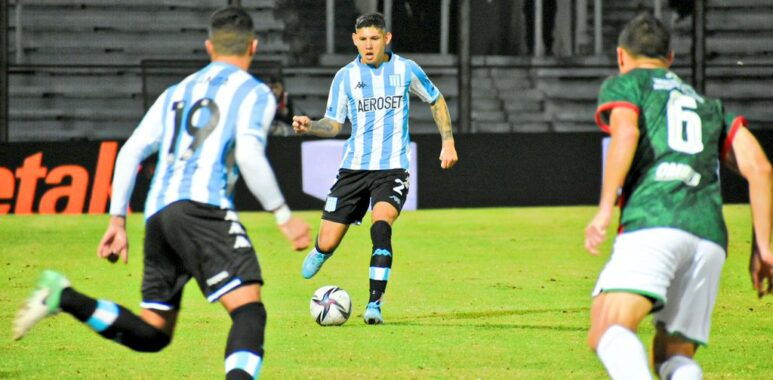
[[377, 69]]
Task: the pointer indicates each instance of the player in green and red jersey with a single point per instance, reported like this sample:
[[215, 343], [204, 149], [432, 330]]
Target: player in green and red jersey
[[667, 142]]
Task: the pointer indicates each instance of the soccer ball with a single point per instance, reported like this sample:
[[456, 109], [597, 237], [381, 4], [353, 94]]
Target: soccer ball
[[330, 306]]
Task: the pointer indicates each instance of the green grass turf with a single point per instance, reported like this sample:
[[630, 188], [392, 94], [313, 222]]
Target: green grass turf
[[474, 294]]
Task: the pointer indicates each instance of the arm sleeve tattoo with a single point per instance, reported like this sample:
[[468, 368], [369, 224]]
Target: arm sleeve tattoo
[[442, 118], [324, 128]]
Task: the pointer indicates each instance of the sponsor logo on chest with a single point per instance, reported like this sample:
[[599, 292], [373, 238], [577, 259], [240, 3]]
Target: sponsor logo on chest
[[674, 171], [379, 103]]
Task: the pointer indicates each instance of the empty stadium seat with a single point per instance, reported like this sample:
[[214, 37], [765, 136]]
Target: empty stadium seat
[[78, 73]]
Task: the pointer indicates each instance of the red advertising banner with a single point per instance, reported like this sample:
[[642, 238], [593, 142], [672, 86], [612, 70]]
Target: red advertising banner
[[527, 169], [56, 178]]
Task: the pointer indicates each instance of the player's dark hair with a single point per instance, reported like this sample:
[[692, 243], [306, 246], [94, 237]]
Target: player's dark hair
[[375, 20], [646, 36], [231, 31]]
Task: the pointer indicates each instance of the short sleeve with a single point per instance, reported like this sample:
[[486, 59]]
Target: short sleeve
[[732, 123], [336, 99], [616, 91], [421, 86]]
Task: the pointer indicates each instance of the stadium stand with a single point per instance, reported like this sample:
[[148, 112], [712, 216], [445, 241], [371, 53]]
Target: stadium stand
[[77, 102], [78, 70], [86, 69], [736, 30], [120, 32], [744, 89]]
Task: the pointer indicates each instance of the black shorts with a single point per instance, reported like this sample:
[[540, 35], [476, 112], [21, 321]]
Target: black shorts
[[190, 239], [355, 190]]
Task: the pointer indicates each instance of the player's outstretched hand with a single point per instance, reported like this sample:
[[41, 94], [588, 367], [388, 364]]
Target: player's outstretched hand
[[596, 232], [448, 157], [298, 232], [114, 243], [301, 124], [761, 269]]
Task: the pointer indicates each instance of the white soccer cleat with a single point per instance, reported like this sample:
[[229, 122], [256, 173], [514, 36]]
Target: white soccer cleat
[[43, 302]]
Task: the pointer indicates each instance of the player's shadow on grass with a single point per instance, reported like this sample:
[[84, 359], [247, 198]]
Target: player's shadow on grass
[[441, 319]]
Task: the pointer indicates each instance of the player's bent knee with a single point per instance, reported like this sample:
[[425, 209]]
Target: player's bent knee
[[615, 309], [625, 309], [240, 296], [385, 212], [248, 327]]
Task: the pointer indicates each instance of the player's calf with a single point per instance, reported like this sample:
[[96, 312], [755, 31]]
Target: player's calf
[[381, 259], [614, 318], [244, 350], [623, 354], [672, 354], [380, 267], [114, 322]]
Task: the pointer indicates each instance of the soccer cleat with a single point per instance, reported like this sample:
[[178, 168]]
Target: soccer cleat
[[373, 314], [43, 302], [313, 263]]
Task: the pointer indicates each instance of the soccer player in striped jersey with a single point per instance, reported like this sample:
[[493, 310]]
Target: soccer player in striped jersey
[[667, 143], [372, 92], [206, 129]]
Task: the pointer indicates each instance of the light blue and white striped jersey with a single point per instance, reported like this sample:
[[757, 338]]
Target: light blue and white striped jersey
[[193, 126], [376, 101]]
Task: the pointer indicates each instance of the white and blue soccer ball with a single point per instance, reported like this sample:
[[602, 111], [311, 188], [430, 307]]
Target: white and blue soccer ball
[[330, 306]]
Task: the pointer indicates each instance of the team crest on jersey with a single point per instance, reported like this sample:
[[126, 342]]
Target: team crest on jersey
[[395, 80], [331, 203]]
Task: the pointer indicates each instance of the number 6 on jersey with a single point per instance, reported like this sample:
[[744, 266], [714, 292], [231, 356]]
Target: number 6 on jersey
[[684, 124]]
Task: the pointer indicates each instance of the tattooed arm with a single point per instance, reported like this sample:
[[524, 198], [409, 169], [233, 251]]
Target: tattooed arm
[[323, 127], [448, 157]]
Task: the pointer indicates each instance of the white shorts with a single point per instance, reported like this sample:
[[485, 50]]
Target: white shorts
[[676, 269]]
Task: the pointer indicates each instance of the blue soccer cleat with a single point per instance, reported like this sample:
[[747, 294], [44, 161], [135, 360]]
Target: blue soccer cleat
[[43, 302], [373, 314], [313, 263]]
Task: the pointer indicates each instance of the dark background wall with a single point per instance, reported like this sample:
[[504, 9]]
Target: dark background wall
[[495, 170]]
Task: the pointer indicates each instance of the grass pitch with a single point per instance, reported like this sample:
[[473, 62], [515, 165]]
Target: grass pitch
[[474, 294]]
